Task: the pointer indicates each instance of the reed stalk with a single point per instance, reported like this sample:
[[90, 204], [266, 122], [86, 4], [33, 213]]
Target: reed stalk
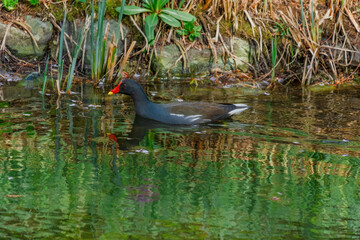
[[273, 56], [313, 27], [302, 13], [60, 54], [92, 52], [45, 77], [103, 51], [98, 52], [79, 42]]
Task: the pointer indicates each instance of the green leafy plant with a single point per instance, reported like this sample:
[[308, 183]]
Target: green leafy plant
[[10, 4], [33, 2], [157, 10], [190, 30]]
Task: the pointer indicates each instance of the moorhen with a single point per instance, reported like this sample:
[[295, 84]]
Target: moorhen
[[179, 113]]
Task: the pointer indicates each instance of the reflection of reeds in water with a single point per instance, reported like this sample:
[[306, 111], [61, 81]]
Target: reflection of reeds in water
[[264, 151]]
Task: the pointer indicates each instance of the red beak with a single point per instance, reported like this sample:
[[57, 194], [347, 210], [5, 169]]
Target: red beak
[[116, 89]]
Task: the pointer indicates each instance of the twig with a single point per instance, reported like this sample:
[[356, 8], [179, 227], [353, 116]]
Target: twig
[[59, 28], [4, 38], [234, 56], [181, 48], [28, 29], [251, 22], [208, 36], [141, 32], [17, 59], [177, 60], [126, 57]]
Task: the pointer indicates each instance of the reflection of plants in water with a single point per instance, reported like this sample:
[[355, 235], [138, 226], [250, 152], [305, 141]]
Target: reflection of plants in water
[[146, 192], [68, 169]]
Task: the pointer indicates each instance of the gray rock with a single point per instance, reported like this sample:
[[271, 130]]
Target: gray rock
[[201, 62], [241, 51], [21, 44], [166, 58], [356, 57]]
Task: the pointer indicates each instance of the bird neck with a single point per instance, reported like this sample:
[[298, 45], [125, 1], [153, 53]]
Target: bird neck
[[139, 96], [142, 103]]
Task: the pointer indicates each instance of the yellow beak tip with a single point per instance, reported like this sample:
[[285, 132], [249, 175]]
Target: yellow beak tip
[[110, 93]]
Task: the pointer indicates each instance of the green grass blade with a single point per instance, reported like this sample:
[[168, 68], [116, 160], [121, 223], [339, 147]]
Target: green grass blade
[[76, 53], [302, 13], [45, 77], [273, 56], [313, 28], [92, 40], [61, 46], [99, 39], [181, 3], [121, 12]]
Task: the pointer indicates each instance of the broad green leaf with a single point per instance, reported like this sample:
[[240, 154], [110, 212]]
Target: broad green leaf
[[182, 32], [169, 20], [160, 4], [33, 2], [189, 26], [10, 4], [196, 34], [149, 4], [180, 15], [145, 5], [132, 10], [150, 24], [198, 28]]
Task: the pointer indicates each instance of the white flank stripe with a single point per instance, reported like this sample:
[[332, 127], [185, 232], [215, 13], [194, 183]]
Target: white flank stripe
[[194, 119], [178, 115], [237, 111], [193, 116], [240, 105]]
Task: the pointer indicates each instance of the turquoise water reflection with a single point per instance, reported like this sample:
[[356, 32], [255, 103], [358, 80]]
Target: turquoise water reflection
[[79, 167]]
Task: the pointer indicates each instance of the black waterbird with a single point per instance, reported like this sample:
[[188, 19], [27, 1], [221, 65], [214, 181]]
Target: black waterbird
[[179, 113]]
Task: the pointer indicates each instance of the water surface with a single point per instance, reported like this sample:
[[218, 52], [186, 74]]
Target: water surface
[[83, 167]]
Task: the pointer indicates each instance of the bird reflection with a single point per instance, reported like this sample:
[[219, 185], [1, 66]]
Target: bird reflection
[[140, 128]]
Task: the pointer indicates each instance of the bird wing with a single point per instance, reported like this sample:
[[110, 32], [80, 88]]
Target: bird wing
[[200, 110]]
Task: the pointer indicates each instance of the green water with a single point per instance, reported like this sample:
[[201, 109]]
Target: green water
[[79, 167]]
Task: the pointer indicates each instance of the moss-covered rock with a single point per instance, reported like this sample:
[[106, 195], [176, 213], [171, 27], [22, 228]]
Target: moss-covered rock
[[20, 43], [201, 61], [165, 60]]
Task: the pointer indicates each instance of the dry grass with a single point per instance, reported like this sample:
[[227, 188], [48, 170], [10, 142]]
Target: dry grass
[[320, 39]]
